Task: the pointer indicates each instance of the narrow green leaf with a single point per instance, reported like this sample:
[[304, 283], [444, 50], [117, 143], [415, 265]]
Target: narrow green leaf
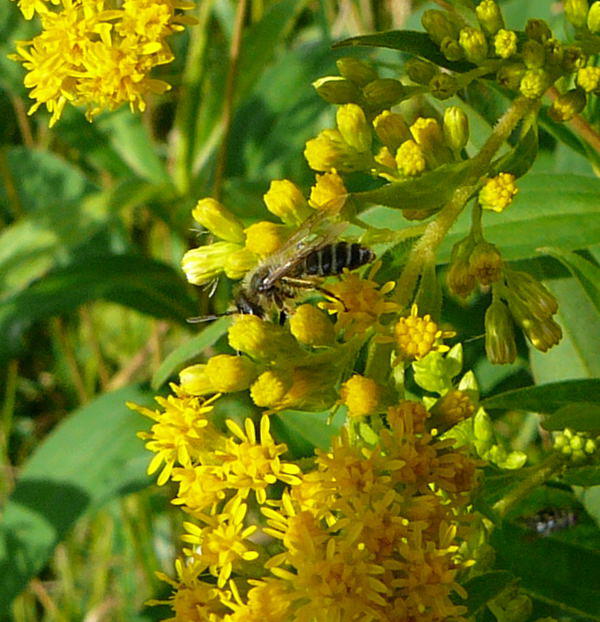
[[586, 272], [585, 476], [563, 575], [546, 398], [483, 588], [91, 457], [302, 431], [579, 416], [409, 41], [131, 280], [188, 351]]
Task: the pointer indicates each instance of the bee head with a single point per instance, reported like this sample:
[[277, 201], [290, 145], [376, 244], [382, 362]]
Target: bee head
[[245, 306]]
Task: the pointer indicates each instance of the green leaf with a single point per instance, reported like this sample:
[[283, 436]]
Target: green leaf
[[93, 456], [549, 210], [521, 158], [189, 351], [586, 272], [545, 398], [483, 588], [131, 280], [582, 476], [579, 416], [560, 574], [409, 41]]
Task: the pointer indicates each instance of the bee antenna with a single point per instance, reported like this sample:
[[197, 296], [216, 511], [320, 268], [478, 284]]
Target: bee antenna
[[209, 318]]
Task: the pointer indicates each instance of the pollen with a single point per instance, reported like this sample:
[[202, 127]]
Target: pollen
[[264, 238], [311, 326], [361, 395], [498, 192], [228, 373], [410, 159]]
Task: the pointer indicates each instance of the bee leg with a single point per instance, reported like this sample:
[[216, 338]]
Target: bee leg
[[308, 284], [282, 317]]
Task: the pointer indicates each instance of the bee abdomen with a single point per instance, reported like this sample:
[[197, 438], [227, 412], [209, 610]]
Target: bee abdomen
[[333, 258]]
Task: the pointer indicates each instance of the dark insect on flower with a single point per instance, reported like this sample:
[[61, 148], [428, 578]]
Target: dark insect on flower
[[550, 520]]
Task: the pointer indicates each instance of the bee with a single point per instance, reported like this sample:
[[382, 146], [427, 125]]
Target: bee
[[309, 255]]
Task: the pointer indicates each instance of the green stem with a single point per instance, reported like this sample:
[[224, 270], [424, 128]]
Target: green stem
[[542, 473], [438, 228]]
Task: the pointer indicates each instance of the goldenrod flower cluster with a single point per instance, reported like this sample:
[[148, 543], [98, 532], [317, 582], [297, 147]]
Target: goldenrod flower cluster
[[368, 530], [97, 54]]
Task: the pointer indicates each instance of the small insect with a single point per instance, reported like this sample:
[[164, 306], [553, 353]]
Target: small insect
[[309, 255], [550, 520]]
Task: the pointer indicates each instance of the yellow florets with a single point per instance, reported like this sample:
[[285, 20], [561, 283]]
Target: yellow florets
[[194, 381], [410, 159], [285, 201], [203, 264], [588, 78], [329, 192], [417, 336], [262, 340], [361, 395], [505, 43], [498, 192], [353, 126], [311, 326], [270, 388], [264, 238], [534, 83], [218, 220], [228, 374]]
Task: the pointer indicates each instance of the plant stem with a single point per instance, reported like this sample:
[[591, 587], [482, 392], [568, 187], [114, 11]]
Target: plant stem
[[537, 477], [439, 227]]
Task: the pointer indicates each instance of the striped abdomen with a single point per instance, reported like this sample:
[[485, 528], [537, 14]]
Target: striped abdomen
[[333, 258]]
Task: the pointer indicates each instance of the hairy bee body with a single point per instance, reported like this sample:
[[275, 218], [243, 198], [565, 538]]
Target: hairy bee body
[[271, 283]]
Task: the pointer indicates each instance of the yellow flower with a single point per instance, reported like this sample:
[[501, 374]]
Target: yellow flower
[[254, 466], [264, 238], [181, 433], [267, 601], [270, 388], [228, 374], [329, 193], [329, 150], [498, 192], [588, 78], [416, 336], [353, 126], [218, 220], [200, 487], [505, 43], [285, 200], [410, 159], [361, 395], [311, 326]]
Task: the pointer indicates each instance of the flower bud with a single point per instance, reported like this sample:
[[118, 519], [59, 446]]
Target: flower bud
[[356, 70], [533, 54], [498, 192], [567, 105], [329, 150], [538, 299], [451, 49], [505, 43], [588, 78], [238, 263], [443, 86], [450, 409], [203, 264], [410, 159], [284, 200], [474, 44], [538, 30], [460, 278], [264, 238], [542, 333], [361, 395], [510, 76], [593, 18], [353, 127], [576, 12], [328, 193], [336, 90], [456, 128], [420, 71], [574, 58], [489, 17], [229, 374], [535, 83], [311, 326], [391, 129], [194, 380], [438, 25], [555, 52], [270, 387], [383, 93], [500, 346], [262, 340], [428, 134], [485, 262], [218, 220]]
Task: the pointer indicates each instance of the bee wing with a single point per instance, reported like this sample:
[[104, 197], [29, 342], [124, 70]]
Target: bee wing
[[315, 232]]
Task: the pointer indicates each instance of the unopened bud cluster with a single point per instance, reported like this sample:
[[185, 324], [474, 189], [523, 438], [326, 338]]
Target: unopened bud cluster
[[577, 446], [473, 261]]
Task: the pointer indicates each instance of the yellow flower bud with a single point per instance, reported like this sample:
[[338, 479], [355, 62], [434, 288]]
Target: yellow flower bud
[[543, 333], [311, 326], [264, 238], [229, 374], [588, 78], [383, 93], [498, 192], [485, 262], [438, 25], [576, 12], [489, 17], [420, 71], [195, 381], [391, 128], [356, 70], [336, 90], [328, 193], [533, 54], [474, 44], [538, 299], [329, 150], [555, 52], [567, 105], [450, 409], [460, 277], [510, 76], [538, 30], [410, 159], [593, 18], [443, 86], [505, 43], [238, 262], [353, 127], [500, 345], [574, 58], [218, 220], [205, 263], [451, 49], [429, 135], [456, 128], [361, 395], [270, 387], [284, 200], [261, 339]]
